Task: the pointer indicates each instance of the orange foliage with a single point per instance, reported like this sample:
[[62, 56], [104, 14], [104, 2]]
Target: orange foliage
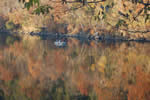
[[102, 93], [5, 74], [1, 56], [97, 89], [33, 93], [141, 90], [16, 49], [59, 62], [139, 7], [82, 83], [59, 11], [35, 68]]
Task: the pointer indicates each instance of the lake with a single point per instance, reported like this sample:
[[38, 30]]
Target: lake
[[35, 69]]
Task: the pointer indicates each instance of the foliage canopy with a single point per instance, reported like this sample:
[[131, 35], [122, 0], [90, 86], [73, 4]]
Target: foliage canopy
[[101, 9]]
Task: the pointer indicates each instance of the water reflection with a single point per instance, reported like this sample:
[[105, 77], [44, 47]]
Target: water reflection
[[108, 70], [60, 43], [83, 70]]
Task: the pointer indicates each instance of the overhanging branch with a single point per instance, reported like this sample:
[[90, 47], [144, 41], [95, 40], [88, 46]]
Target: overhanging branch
[[77, 1]]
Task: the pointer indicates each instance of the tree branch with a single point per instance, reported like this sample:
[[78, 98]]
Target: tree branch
[[136, 31], [78, 1]]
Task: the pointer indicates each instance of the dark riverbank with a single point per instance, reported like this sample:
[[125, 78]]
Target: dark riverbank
[[95, 37]]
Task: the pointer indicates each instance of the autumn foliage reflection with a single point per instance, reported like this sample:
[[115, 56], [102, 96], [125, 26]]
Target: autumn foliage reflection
[[118, 72]]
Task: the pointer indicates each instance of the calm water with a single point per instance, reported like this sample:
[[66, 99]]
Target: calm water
[[34, 69]]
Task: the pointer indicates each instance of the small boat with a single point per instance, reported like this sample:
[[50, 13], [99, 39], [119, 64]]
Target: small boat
[[60, 43]]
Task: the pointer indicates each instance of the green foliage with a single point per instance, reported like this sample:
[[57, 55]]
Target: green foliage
[[108, 71], [38, 8], [10, 40], [29, 4], [120, 22], [58, 91], [93, 96], [10, 25], [147, 15], [15, 91], [74, 54], [2, 96], [89, 60], [103, 11], [42, 9]]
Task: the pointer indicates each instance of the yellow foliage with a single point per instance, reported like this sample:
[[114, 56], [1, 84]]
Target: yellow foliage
[[101, 69], [93, 67], [92, 5], [102, 63], [131, 56]]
